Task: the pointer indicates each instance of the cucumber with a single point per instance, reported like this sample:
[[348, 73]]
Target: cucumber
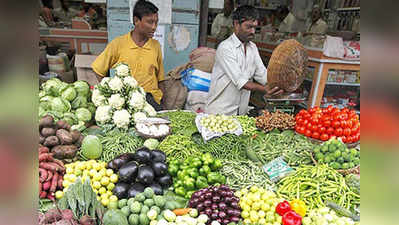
[[342, 211]]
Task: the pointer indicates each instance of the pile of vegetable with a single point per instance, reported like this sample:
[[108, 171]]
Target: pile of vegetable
[[275, 120], [248, 124], [154, 130], [291, 212], [218, 203], [228, 146], [56, 216], [337, 155], [120, 101], [68, 102], [326, 216], [144, 168], [182, 122], [258, 206], [323, 124], [316, 185], [59, 137], [195, 173], [82, 201], [219, 123], [102, 180], [179, 147], [51, 172]]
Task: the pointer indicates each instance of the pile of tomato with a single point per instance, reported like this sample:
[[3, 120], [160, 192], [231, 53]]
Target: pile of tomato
[[325, 123]]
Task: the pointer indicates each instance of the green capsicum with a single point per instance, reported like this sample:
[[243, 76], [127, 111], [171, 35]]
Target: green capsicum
[[205, 170], [180, 191], [189, 183], [196, 162], [193, 173], [173, 169], [217, 164], [201, 182], [214, 177], [188, 194], [207, 159], [181, 174], [178, 183]]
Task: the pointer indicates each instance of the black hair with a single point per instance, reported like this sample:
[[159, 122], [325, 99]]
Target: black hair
[[244, 13], [48, 4], [231, 2], [144, 8]]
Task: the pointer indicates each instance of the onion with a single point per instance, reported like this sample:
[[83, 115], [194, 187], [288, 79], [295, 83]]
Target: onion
[[223, 193], [226, 221], [229, 194], [222, 206], [236, 212], [208, 195], [222, 214], [235, 219], [214, 216], [208, 211], [219, 220], [201, 198], [214, 206], [216, 198], [234, 205], [200, 206], [235, 199], [228, 199], [207, 203], [197, 194], [230, 211]]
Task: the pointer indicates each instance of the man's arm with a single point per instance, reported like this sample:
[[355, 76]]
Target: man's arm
[[253, 86]]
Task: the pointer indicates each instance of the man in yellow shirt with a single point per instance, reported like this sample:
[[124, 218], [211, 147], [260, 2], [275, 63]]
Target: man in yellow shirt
[[137, 49]]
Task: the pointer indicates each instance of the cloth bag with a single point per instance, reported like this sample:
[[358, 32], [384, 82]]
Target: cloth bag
[[174, 92]]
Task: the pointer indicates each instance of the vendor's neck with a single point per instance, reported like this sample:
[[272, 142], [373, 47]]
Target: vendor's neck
[[138, 38]]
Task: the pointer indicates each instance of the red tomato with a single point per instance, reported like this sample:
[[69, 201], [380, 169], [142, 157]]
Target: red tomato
[[302, 112], [324, 137], [309, 126], [308, 133], [337, 116], [343, 138], [347, 131], [297, 117], [345, 110], [327, 123], [305, 122], [297, 128], [314, 121], [322, 130], [344, 124], [306, 116], [299, 121], [302, 130], [326, 118], [356, 117], [336, 124], [314, 128], [344, 116], [324, 111], [330, 131], [339, 131], [358, 137], [349, 123], [349, 139], [316, 135]]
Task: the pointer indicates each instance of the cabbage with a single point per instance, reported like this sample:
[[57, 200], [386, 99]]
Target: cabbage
[[114, 217], [47, 98], [82, 87], [91, 147], [79, 102], [60, 105], [42, 94], [151, 143], [83, 114], [45, 105], [51, 86], [42, 111], [80, 126], [70, 118], [91, 107], [68, 93]]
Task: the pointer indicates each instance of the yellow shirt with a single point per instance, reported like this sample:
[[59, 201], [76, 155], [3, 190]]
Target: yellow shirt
[[145, 62]]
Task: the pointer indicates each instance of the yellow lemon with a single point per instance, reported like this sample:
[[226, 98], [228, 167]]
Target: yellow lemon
[[102, 171], [261, 214], [97, 177], [109, 172], [265, 196], [113, 198], [244, 191], [92, 172], [98, 198], [102, 190], [104, 181], [105, 201], [265, 207], [88, 166], [246, 207], [104, 196], [253, 216], [110, 186], [254, 189], [69, 170], [96, 184], [256, 205], [262, 221], [247, 221], [96, 166], [103, 164], [109, 193], [245, 214], [59, 194], [72, 178], [78, 172], [114, 178]]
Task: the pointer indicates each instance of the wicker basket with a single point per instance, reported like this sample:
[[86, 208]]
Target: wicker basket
[[287, 66]]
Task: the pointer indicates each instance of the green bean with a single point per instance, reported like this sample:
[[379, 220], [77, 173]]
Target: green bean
[[181, 122], [248, 125], [178, 147], [118, 142]]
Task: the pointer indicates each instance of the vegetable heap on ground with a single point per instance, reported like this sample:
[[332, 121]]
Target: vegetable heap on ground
[[120, 101], [275, 120], [51, 172]]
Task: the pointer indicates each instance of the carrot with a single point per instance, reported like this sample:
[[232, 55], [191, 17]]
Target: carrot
[[46, 157], [54, 183], [50, 175], [42, 175], [181, 212], [43, 194], [51, 166], [46, 186]]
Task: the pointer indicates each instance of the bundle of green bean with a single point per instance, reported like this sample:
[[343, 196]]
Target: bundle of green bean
[[295, 149], [118, 142], [244, 174], [178, 147], [248, 125], [316, 185], [228, 146], [182, 122]]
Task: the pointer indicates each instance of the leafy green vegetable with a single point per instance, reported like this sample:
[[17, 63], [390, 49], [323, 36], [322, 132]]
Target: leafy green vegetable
[[69, 93], [83, 114], [60, 105], [82, 88], [79, 102]]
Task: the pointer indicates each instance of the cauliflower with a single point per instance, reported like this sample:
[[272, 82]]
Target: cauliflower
[[97, 98], [115, 84], [103, 114], [130, 81], [139, 115], [163, 130], [142, 91], [121, 118], [116, 101], [104, 81], [149, 110], [137, 100], [122, 70]]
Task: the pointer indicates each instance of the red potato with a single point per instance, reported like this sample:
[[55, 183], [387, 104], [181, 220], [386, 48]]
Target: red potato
[[64, 136], [50, 175], [43, 194], [62, 124], [51, 141], [43, 149], [46, 157], [42, 175], [46, 132], [46, 186], [51, 166], [54, 183]]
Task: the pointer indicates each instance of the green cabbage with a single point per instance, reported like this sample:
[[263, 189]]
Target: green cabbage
[[79, 102], [42, 111], [82, 87], [151, 143], [46, 105], [51, 86], [42, 94], [60, 105], [70, 118], [80, 126], [69, 93], [91, 147], [83, 114], [91, 107]]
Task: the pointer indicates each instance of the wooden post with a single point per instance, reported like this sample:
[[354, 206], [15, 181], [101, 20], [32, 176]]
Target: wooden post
[[203, 31]]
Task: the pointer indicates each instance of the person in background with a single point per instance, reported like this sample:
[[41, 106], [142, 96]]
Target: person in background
[[238, 68], [278, 17], [296, 19], [65, 13], [317, 25], [46, 12], [87, 11], [222, 25], [140, 51]]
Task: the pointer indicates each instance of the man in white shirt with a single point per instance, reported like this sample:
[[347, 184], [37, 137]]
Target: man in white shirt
[[238, 68], [223, 20], [296, 19]]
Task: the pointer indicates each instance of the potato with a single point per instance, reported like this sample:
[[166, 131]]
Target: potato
[[64, 151], [47, 131], [51, 141], [46, 121], [41, 139], [64, 136], [79, 142], [75, 135], [62, 124]]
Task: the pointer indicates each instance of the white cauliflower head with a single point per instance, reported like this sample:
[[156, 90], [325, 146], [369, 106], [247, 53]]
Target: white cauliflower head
[[130, 81], [121, 118], [137, 100], [104, 81], [103, 114], [122, 70], [142, 91], [149, 110], [116, 101], [139, 115], [97, 98], [115, 84]]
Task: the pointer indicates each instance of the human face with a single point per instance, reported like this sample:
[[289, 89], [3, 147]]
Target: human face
[[316, 14], [147, 25], [228, 8], [246, 30]]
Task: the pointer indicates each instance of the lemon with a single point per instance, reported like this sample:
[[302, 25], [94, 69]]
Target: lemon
[[92, 172], [261, 214], [95, 191], [105, 201], [102, 190], [262, 221], [98, 198], [256, 205], [109, 172], [69, 170], [96, 166], [96, 185], [265, 207], [88, 166], [247, 221], [110, 186], [253, 215], [114, 178], [279, 219], [237, 194], [72, 178], [92, 161], [104, 196], [103, 164], [246, 207], [102, 171], [254, 189], [109, 193], [104, 181], [97, 177], [78, 172], [245, 214], [265, 196], [59, 194], [113, 198], [244, 191], [256, 197]]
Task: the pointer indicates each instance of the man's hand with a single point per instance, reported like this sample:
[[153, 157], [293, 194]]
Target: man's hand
[[273, 91]]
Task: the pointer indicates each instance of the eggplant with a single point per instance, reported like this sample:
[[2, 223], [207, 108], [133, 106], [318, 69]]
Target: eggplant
[[121, 160], [158, 156], [134, 190], [159, 168], [142, 155], [120, 190], [145, 175], [156, 188], [165, 181], [111, 165], [128, 172]]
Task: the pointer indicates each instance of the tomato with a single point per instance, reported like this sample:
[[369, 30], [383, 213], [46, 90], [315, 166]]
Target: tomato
[[336, 124], [326, 118], [314, 121], [347, 131], [297, 128], [337, 116], [322, 130], [349, 139], [309, 126], [358, 136], [349, 123], [330, 108], [316, 135], [343, 138], [302, 112], [344, 116], [339, 131], [314, 128], [344, 124], [345, 110], [324, 111], [302, 130], [307, 116], [356, 117], [297, 117], [330, 131], [324, 137], [327, 123], [305, 122], [308, 133], [299, 121]]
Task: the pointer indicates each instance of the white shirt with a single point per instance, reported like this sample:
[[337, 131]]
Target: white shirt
[[221, 20], [232, 70]]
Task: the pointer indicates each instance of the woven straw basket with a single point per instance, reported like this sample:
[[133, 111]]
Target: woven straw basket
[[287, 66]]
